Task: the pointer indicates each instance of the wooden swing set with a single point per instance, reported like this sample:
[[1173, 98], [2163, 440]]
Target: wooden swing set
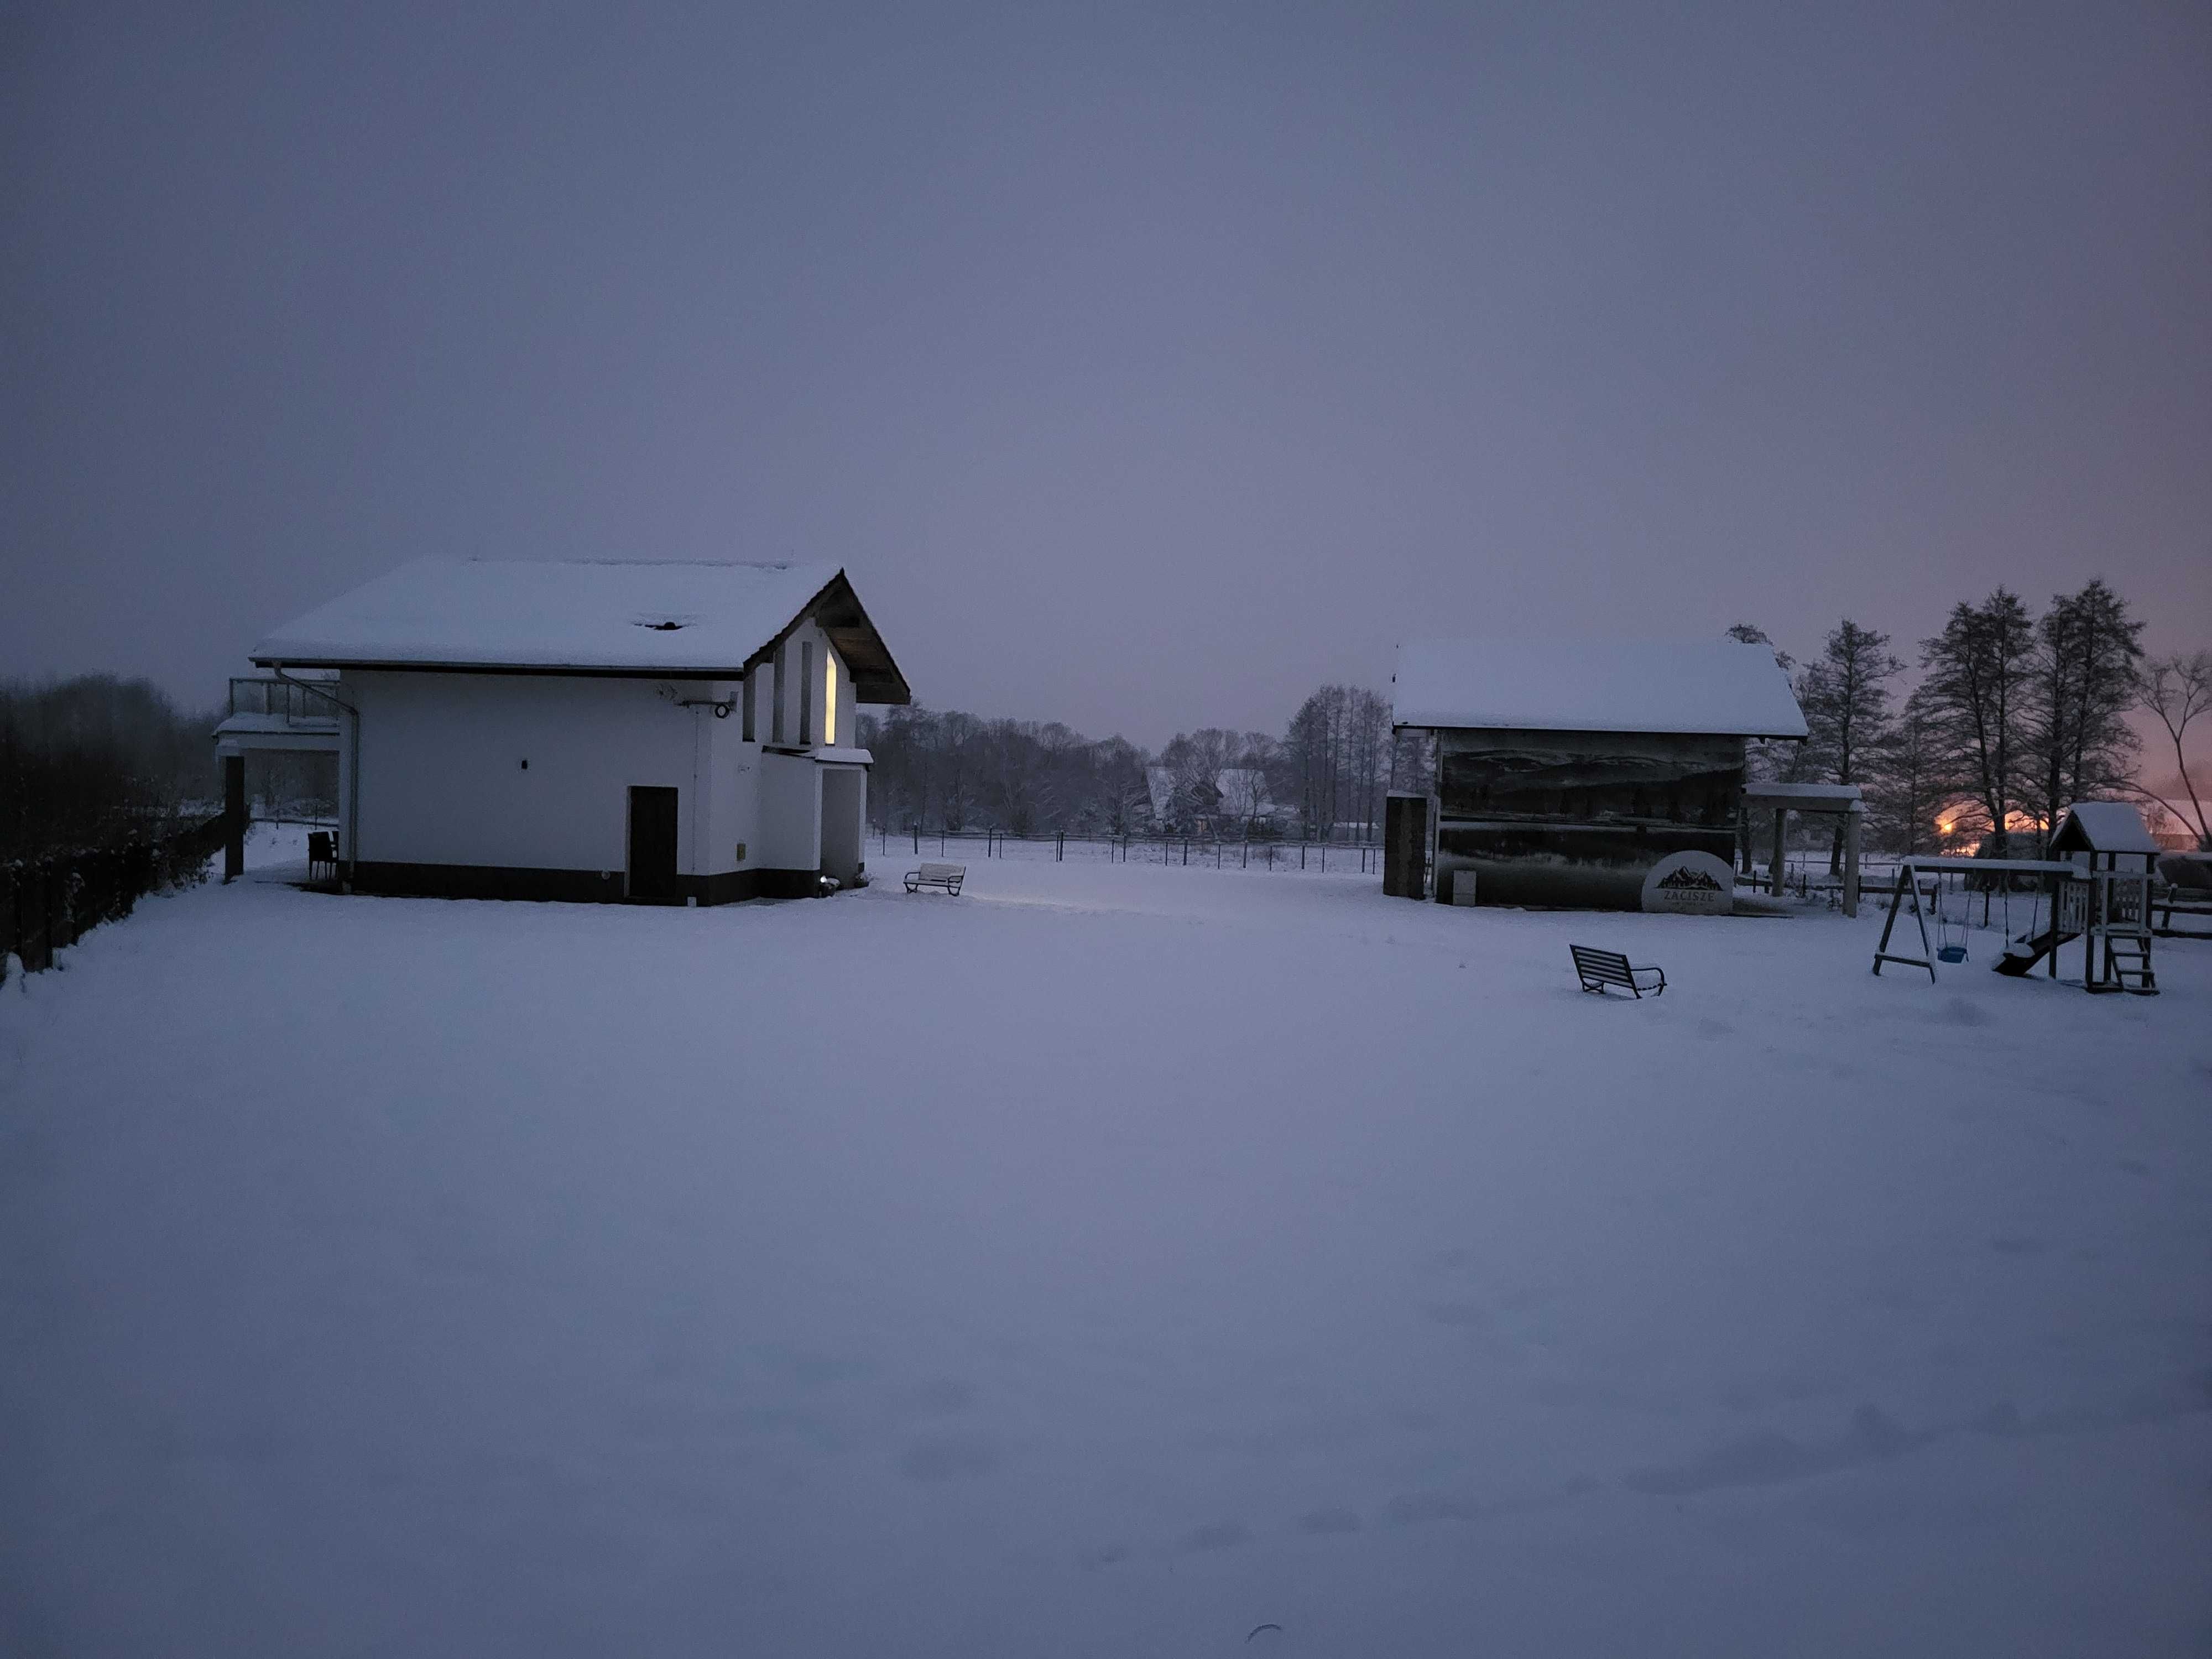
[[2107, 907]]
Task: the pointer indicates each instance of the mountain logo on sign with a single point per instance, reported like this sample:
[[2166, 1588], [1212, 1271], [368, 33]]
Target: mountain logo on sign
[[1687, 878]]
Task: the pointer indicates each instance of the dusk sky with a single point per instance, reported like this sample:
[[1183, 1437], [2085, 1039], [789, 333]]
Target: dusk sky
[[1145, 367]]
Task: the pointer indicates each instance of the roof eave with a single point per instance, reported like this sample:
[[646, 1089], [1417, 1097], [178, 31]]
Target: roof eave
[[837, 611], [1623, 730], [613, 671]]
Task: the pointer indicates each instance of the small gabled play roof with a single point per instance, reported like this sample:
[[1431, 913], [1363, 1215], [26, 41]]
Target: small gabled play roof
[[2103, 826], [589, 616], [1717, 688]]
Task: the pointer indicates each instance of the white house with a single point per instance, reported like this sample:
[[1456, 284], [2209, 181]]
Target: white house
[[652, 732]]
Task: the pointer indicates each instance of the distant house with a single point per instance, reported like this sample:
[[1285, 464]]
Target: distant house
[[1590, 774], [1234, 798], [660, 733]]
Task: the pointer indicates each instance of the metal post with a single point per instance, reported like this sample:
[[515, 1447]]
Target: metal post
[[234, 812], [1853, 820], [2057, 887]]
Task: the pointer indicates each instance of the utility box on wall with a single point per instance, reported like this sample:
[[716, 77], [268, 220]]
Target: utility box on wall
[[1405, 846]]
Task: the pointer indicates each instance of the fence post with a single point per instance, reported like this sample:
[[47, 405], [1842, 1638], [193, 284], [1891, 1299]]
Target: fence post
[[233, 809]]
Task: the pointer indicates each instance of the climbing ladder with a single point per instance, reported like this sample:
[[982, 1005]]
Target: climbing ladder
[[2127, 967], [2120, 932]]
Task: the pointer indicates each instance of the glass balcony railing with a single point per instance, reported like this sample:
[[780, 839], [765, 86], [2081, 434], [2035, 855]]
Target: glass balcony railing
[[295, 704]]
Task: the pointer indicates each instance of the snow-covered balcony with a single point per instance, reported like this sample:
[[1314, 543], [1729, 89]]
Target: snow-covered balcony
[[267, 712]]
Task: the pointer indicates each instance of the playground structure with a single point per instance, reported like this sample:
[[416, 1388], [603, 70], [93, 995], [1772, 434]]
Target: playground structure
[[2097, 881]]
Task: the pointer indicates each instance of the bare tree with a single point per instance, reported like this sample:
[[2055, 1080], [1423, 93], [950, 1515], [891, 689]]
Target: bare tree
[[1367, 721], [1908, 784], [1252, 799], [1313, 753], [1978, 691], [2084, 681], [1844, 695], [1125, 804], [2178, 690]]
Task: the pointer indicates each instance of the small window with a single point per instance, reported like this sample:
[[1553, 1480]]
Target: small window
[[829, 698]]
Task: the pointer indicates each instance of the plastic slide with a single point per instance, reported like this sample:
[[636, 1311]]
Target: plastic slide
[[2020, 955]]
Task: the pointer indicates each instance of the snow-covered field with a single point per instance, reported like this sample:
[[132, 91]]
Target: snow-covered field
[[1112, 1261]]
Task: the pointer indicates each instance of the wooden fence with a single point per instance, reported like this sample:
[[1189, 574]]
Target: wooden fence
[[48, 903]]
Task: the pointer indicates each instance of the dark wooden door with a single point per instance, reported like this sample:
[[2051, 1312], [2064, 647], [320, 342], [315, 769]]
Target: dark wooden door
[[1405, 846], [652, 844]]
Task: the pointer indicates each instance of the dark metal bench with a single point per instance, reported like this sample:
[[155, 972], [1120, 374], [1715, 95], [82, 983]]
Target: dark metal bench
[[1599, 969], [947, 876], [322, 855]]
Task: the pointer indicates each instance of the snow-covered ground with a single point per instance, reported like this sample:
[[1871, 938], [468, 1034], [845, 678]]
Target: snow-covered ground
[[1112, 1261]]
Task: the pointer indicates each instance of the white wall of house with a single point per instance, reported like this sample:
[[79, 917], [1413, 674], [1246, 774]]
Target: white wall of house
[[807, 692], [730, 801], [790, 813], [844, 821], [443, 781]]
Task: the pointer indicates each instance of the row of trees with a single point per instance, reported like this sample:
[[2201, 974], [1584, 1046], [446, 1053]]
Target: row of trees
[[1326, 776], [950, 770], [2015, 716], [96, 761]]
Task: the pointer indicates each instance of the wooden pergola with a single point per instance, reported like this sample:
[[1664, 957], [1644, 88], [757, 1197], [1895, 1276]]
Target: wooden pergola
[[1824, 799]]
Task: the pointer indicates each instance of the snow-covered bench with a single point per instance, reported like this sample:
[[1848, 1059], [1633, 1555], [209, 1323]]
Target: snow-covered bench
[[947, 876], [1599, 969]]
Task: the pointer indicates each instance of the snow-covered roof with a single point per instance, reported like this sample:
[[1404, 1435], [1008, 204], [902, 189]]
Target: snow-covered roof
[[1805, 797], [1717, 687], [592, 615], [1243, 790], [2104, 826]]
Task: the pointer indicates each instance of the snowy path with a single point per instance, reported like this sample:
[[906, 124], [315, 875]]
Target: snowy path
[[1109, 1262]]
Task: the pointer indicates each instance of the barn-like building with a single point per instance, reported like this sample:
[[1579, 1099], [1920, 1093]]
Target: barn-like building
[[658, 732], [1605, 775]]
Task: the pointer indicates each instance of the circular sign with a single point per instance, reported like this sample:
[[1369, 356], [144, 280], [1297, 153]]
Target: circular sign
[[1690, 885]]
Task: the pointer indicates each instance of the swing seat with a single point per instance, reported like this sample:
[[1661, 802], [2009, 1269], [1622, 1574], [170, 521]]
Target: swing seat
[[1951, 953]]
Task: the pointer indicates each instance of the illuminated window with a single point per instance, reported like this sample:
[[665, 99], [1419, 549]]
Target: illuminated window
[[829, 698]]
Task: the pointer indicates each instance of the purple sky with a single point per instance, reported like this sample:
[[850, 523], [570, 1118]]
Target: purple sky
[[1144, 369]]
